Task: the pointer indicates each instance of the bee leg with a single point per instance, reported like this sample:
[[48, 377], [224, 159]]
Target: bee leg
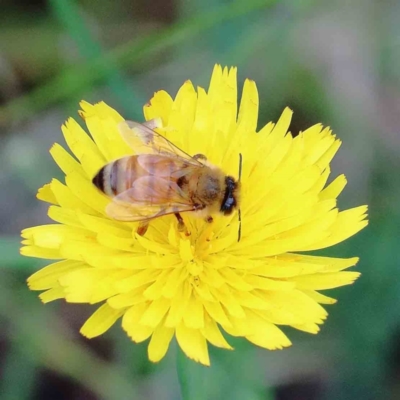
[[181, 224], [209, 219], [142, 228], [200, 157]]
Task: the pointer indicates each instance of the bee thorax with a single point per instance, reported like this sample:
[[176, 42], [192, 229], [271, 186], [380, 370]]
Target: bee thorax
[[209, 188]]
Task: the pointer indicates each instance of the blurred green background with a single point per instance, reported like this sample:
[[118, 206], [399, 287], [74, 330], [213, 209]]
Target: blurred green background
[[334, 62]]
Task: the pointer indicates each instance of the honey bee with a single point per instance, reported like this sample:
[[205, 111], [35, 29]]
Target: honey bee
[[161, 179]]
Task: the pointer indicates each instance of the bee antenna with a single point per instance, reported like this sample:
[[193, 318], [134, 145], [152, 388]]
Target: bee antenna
[[239, 213], [240, 166], [240, 225]]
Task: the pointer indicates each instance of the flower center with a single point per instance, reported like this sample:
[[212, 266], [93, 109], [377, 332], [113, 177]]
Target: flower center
[[192, 263], [194, 267]]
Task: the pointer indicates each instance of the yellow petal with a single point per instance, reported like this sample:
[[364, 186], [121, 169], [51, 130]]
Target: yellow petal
[[319, 297], [123, 300], [48, 276], [285, 268], [325, 281], [288, 265], [333, 190], [99, 224], [45, 194], [179, 305], [65, 198], [226, 296], [235, 280], [154, 291], [327, 157], [308, 327], [296, 303], [100, 321], [85, 191], [238, 327], [101, 108], [347, 224], [212, 333], [103, 127], [182, 114], [259, 282], [215, 85], [202, 125], [92, 253], [137, 279], [321, 182], [89, 285], [52, 236], [212, 277], [159, 107], [64, 216], [115, 242], [222, 99], [194, 315], [52, 294], [130, 323], [105, 287], [283, 123], [159, 343], [39, 252], [64, 160], [215, 310], [269, 336], [83, 147], [248, 110], [327, 264], [174, 280], [193, 344], [251, 300], [155, 312]]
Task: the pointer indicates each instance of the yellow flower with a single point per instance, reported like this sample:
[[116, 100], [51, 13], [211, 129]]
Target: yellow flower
[[166, 284]]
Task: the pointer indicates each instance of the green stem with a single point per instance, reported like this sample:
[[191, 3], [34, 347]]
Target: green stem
[[192, 377], [226, 378], [69, 15]]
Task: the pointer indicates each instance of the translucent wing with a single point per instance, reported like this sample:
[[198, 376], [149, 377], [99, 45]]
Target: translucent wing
[[165, 166], [135, 213], [144, 140], [149, 197]]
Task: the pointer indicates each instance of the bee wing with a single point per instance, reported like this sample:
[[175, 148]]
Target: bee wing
[[144, 140], [149, 197], [165, 167], [136, 213]]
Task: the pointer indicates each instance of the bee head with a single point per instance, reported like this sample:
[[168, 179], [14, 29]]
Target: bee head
[[229, 201]]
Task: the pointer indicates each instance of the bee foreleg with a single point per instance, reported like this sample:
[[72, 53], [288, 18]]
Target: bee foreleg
[[200, 157], [142, 228], [181, 224]]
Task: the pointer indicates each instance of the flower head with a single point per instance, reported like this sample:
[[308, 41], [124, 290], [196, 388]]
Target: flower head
[[166, 284]]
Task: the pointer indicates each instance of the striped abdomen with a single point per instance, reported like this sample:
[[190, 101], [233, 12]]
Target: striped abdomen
[[120, 175]]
